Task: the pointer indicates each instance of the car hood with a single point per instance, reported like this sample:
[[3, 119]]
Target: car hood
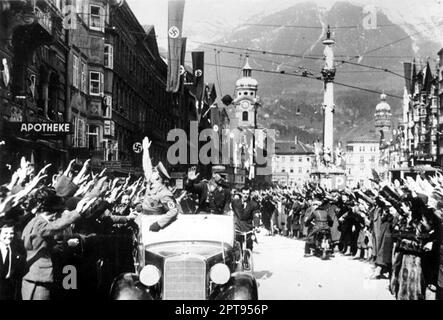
[[204, 249]]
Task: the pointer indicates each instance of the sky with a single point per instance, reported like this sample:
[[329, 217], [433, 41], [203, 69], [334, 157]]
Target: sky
[[208, 20]]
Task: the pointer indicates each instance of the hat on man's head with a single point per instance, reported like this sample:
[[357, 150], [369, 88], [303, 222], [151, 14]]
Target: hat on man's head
[[162, 171], [64, 187], [49, 200]]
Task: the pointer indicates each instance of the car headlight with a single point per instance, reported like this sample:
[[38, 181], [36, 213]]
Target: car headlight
[[150, 275], [220, 273]]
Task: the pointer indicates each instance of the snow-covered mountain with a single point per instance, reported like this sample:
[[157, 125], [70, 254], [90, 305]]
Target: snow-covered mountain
[[406, 29], [399, 37]]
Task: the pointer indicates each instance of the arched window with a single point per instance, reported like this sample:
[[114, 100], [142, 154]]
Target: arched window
[[245, 116]]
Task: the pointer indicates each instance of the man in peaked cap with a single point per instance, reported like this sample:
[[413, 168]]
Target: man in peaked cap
[[213, 195], [162, 171], [158, 200]]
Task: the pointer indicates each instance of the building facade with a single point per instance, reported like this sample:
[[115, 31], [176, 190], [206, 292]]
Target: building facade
[[34, 55], [137, 79], [292, 163], [362, 156], [89, 63], [422, 115], [440, 108]]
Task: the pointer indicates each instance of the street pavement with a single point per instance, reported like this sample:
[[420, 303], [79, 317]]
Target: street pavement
[[284, 274]]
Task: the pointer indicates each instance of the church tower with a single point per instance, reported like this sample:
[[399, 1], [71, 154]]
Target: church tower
[[383, 118], [245, 98]]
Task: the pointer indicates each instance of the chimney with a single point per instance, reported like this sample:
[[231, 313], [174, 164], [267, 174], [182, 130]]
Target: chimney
[[296, 140]]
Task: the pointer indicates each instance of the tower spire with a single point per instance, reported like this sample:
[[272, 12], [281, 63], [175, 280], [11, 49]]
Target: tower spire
[[247, 70]]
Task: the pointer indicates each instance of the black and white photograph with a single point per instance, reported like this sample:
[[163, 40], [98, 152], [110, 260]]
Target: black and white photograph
[[255, 150]]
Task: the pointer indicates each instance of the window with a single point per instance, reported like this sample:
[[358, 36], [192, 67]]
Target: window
[[300, 170], [245, 116], [292, 170], [95, 83], [300, 159], [292, 159], [83, 78], [109, 56], [362, 159], [75, 72], [93, 137], [96, 18]]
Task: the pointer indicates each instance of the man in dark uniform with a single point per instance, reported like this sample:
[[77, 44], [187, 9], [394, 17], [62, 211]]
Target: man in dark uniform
[[321, 218], [213, 195], [158, 200]]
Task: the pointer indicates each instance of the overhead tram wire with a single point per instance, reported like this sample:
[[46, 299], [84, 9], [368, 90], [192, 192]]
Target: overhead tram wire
[[375, 68], [308, 77], [320, 27], [302, 56], [314, 71], [257, 51]]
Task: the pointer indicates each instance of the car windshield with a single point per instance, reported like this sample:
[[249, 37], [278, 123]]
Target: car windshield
[[199, 227]]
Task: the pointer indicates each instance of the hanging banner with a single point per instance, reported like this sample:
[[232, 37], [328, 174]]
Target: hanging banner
[[414, 78], [175, 24], [198, 65], [182, 70], [407, 67]]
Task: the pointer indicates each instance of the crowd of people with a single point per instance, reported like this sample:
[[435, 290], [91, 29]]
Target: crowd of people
[[396, 226], [77, 217]]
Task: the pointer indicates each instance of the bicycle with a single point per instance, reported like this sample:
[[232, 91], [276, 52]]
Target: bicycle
[[246, 257]]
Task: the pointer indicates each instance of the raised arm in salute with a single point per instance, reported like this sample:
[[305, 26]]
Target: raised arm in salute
[[158, 199]]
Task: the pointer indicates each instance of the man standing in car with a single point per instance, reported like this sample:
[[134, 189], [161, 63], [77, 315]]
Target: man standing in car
[[213, 195], [244, 208]]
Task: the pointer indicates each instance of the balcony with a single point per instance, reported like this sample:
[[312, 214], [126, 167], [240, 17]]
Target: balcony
[[37, 18]]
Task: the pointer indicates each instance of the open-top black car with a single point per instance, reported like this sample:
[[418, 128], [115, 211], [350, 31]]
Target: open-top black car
[[194, 258]]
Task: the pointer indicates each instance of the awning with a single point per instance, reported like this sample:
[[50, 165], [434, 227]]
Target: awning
[[40, 143]]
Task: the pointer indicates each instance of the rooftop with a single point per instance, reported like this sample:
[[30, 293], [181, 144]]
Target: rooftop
[[291, 148], [370, 137]]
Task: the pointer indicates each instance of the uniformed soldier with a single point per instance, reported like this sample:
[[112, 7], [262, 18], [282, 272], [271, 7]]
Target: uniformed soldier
[[158, 199], [213, 195]]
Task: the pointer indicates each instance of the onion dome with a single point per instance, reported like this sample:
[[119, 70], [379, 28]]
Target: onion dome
[[383, 106], [246, 82]]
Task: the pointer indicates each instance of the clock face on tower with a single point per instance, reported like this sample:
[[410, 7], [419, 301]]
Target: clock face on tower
[[245, 105]]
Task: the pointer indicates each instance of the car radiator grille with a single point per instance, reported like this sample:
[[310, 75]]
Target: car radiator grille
[[184, 278]]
